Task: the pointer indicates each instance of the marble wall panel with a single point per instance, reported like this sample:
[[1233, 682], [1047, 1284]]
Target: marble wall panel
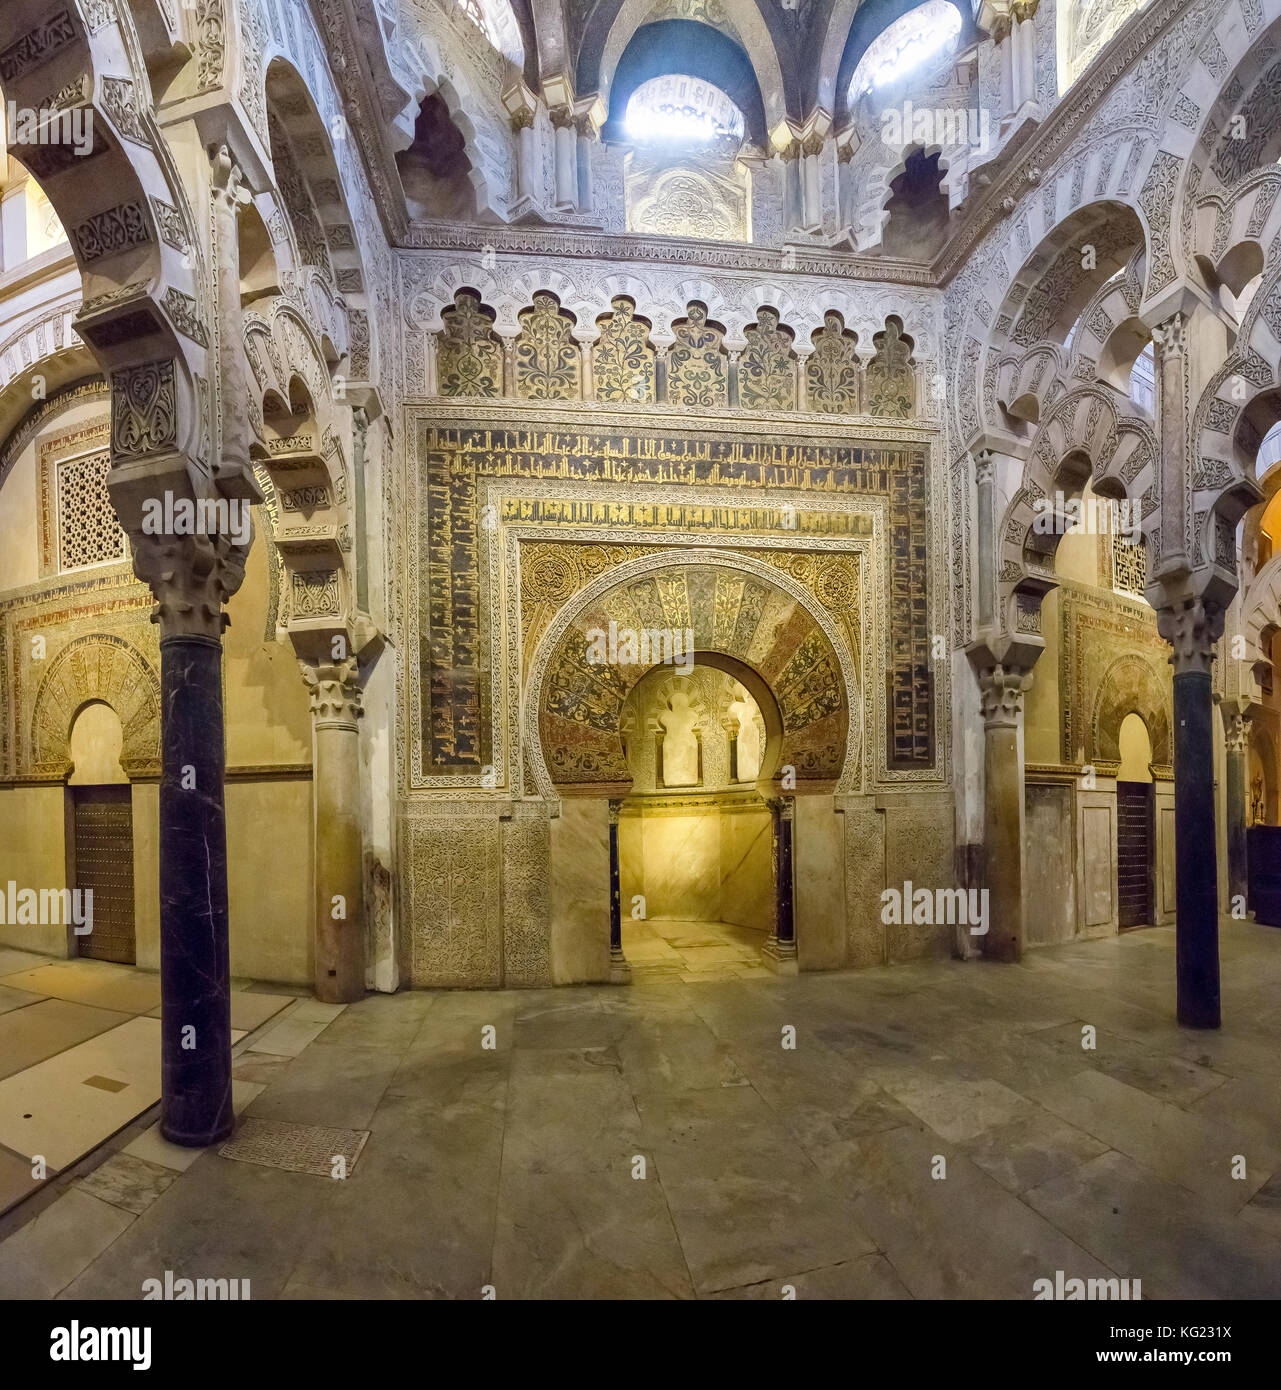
[[579, 892]]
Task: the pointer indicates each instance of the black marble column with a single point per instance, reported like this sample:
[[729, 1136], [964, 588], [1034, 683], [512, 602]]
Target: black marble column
[[779, 952], [195, 969], [1196, 873], [619, 970], [1192, 627], [786, 925]]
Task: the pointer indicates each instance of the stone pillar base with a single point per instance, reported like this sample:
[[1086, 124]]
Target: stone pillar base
[[780, 957], [620, 973]]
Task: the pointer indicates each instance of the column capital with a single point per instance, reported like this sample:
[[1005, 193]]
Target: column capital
[[191, 578], [1236, 732], [335, 690], [1191, 627], [522, 119], [1171, 335], [1001, 691], [562, 117], [984, 465], [228, 178]]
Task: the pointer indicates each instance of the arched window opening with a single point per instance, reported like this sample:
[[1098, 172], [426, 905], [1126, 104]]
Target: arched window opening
[[1136, 750], [1143, 380], [435, 170], [923, 35], [1084, 26], [497, 21], [683, 174], [678, 109], [918, 209]]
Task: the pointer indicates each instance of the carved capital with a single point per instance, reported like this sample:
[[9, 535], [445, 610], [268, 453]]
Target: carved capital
[[1001, 691], [812, 144], [335, 690], [1236, 733], [522, 119], [984, 465], [1191, 628], [1023, 10], [191, 578], [1170, 337], [562, 117], [227, 178]]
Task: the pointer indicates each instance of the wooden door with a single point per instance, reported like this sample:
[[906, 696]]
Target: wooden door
[[1135, 806], [104, 863]]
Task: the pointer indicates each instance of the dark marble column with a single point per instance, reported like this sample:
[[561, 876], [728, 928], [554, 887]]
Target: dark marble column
[[192, 578], [195, 963], [780, 950], [1236, 740], [1192, 627], [619, 970]]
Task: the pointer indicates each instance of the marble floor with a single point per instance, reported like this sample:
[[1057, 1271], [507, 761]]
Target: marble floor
[[80, 1058], [938, 1130], [668, 950]]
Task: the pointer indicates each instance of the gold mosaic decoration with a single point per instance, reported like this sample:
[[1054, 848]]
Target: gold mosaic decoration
[[728, 611], [548, 363], [767, 366], [891, 383], [454, 610], [832, 372], [623, 361], [697, 367], [469, 354]]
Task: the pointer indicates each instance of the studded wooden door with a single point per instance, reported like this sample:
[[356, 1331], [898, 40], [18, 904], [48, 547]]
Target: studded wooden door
[[104, 863], [1135, 803]]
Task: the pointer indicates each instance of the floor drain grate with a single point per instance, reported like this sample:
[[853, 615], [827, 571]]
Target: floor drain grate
[[295, 1148]]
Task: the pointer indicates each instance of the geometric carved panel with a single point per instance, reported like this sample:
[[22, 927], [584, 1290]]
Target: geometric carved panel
[[88, 530], [455, 874]]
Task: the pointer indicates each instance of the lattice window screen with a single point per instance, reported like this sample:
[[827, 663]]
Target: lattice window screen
[[88, 531]]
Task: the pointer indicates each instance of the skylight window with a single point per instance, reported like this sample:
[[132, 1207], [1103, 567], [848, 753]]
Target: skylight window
[[926, 32], [677, 109], [497, 21]]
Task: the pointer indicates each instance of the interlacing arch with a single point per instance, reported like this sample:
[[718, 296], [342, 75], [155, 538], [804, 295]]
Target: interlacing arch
[[1230, 233], [38, 359], [1084, 436], [147, 302]]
